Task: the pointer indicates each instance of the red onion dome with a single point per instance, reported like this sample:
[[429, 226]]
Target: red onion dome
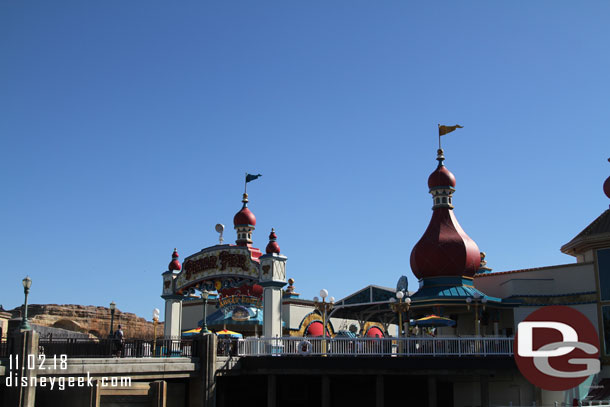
[[272, 246], [445, 249], [244, 217], [174, 265], [441, 177]]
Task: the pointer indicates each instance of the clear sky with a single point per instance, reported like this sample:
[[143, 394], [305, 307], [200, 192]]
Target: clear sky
[[127, 126]]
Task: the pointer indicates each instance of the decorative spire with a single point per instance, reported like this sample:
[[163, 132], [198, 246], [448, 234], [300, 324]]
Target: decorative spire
[[483, 267], [272, 246], [442, 184], [244, 223], [440, 157], [174, 265], [290, 293], [444, 249]]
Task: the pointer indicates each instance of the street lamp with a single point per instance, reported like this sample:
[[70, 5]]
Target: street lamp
[[204, 325], [155, 322], [400, 307], [476, 300], [324, 308], [27, 283], [112, 308]]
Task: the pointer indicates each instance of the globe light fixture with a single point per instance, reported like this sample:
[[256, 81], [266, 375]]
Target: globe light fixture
[[27, 283]]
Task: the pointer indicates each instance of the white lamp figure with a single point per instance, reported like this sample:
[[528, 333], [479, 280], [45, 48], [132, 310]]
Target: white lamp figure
[[324, 308], [155, 322]]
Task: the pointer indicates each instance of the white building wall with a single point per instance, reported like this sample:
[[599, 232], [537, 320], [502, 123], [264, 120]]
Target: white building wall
[[293, 314], [192, 313], [590, 310], [557, 280]]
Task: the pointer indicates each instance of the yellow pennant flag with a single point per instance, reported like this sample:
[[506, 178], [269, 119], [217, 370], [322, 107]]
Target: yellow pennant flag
[[442, 130]]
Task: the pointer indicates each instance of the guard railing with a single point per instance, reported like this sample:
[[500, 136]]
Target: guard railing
[[411, 346]]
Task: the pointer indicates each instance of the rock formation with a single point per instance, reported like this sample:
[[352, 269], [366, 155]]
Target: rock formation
[[89, 319]]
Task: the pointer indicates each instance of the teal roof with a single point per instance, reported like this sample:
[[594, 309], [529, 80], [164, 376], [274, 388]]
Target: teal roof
[[451, 288], [369, 294]]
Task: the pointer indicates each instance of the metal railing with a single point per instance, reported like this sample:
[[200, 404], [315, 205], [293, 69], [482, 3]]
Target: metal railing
[[104, 348], [412, 346]]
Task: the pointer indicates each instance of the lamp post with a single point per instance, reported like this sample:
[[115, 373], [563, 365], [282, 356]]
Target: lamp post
[[155, 322], [324, 308], [27, 283], [400, 307], [204, 325], [112, 308], [476, 300]]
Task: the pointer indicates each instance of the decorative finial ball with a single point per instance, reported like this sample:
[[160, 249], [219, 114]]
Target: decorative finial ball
[[175, 265], [290, 281]]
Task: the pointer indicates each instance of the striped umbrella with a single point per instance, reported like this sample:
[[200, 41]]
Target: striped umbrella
[[433, 320]]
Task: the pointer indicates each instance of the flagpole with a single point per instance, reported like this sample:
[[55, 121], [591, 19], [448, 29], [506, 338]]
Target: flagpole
[[246, 184], [439, 136]]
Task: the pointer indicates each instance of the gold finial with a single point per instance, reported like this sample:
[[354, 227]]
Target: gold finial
[[245, 198], [440, 157]]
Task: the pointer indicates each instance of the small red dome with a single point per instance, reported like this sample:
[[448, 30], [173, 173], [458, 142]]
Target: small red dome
[[272, 246], [607, 187], [441, 177], [244, 217], [315, 329], [374, 332], [175, 265], [257, 290]]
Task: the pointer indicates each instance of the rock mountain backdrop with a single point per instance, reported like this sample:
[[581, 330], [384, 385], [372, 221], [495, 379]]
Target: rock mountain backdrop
[[89, 319]]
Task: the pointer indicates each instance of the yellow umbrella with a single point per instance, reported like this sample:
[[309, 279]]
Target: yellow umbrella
[[226, 332], [192, 331]]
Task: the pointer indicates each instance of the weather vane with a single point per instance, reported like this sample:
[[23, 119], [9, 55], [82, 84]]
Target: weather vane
[[442, 130]]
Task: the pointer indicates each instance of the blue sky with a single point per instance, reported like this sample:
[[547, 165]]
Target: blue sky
[[127, 128]]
